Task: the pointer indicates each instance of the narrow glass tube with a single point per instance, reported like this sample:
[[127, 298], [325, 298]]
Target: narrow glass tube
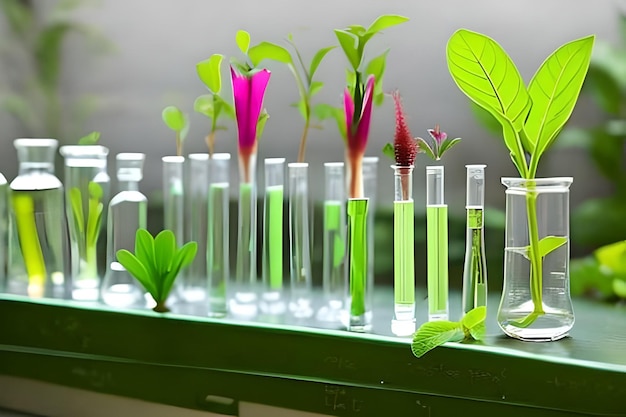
[[38, 244], [370, 188], [218, 236], [4, 230], [173, 197], [87, 188], [334, 243], [300, 240], [436, 244], [403, 323], [128, 211], [244, 300], [272, 298], [475, 266], [193, 284], [359, 303]]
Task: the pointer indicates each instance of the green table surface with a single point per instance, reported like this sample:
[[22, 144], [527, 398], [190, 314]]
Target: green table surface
[[208, 364]]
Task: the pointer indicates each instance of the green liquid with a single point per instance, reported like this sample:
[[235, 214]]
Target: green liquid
[[437, 257], [357, 250], [404, 253], [217, 247], [475, 268], [334, 250], [274, 237]]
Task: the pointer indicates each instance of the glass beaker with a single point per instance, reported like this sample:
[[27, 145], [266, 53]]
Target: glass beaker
[[128, 211], [536, 303], [38, 230], [87, 188]]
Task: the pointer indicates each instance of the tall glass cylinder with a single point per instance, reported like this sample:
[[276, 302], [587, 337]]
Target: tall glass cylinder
[[536, 303], [244, 299], [403, 323], [4, 230], [334, 242], [218, 235], [272, 298], [38, 243], [436, 244], [128, 211], [87, 191], [475, 266], [174, 196], [193, 284], [300, 240], [359, 300], [370, 191]]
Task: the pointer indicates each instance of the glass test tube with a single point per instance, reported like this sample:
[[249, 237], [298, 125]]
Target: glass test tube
[[437, 244]]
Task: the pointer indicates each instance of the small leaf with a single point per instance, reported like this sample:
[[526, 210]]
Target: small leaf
[[260, 125], [435, 333], [550, 243], [357, 30], [447, 144], [386, 21], [137, 270], [90, 139], [164, 251], [243, 41], [317, 59], [348, 42], [174, 118], [144, 251], [76, 203], [478, 332], [268, 50], [204, 105], [224, 107], [95, 190], [315, 87], [474, 317], [209, 72], [301, 106], [376, 67], [325, 111], [388, 150], [425, 147], [183, 258]]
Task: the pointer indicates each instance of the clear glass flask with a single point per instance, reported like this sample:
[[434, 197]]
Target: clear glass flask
[[38, 246], [403, 322], [300, 303], [128, 211], [4, 230], [536, 303], [272, 301], [334, 243], [244, 289], [475, 266], [87, 192], [436, 244], [193, 283], [218, 235]]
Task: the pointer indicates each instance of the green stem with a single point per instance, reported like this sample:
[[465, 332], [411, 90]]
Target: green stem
[[536, 267], [357, 249]]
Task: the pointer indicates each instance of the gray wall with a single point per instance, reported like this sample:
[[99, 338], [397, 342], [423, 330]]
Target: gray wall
[[158, 42]]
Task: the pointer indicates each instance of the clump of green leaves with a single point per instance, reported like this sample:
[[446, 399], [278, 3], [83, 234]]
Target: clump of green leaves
[[90, 139], [157, 262], [435, 333], [303, 74], [89, 231], [178, 121], [603, 274], [212, 105], [352, 41]]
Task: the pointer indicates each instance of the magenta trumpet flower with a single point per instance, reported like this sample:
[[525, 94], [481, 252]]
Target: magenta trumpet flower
[[357, 131], [248, 93]]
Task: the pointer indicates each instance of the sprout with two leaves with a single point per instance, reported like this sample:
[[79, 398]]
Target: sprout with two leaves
[[178, 121]]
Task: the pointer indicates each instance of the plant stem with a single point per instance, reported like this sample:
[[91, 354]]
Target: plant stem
[[536, 267], [357, 250], [305, 132], [210, 142], [161, 307]]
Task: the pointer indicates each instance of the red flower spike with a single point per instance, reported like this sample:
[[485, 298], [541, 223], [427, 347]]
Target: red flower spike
[[405, 147]]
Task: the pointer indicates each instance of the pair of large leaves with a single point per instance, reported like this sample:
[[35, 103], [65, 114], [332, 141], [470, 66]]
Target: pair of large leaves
[[531, 117], [157, 261]]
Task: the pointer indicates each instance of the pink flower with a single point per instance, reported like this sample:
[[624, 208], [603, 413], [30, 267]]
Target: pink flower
[[248, 92], [357, 131], [438, 135]]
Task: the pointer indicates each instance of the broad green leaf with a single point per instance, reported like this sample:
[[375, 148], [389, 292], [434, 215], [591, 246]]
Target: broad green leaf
[[613, 256], [514, 145], [315, 87], [144, 251], [356, 30], [76, 203], [376, 67], [223, 107], [243, 41], [174, 118], [94, 220], [550, 243], [478, 332], [388, 150], [136, 268], [164, 251], [90, 139], [183, 258], [325, 111], [554, 91], [268, 50], [488, 76], [348, 43], [317, 59], [425, 147], [204, 105], [474, 317], [386, 21], [48, 53], [447, 144], [435, 333], [209, 72], [619, 287]]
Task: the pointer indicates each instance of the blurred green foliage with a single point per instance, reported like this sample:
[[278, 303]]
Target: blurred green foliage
[[601, 275], [31, 66]]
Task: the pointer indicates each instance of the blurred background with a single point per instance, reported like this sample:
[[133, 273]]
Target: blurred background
[[68, 67]]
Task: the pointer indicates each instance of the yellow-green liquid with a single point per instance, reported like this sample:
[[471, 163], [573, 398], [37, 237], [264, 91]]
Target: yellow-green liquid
[[274, 238], [437, 257], [403, 250]]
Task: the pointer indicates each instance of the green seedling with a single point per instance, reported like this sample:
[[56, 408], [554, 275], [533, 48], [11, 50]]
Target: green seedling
[[178, 121]]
